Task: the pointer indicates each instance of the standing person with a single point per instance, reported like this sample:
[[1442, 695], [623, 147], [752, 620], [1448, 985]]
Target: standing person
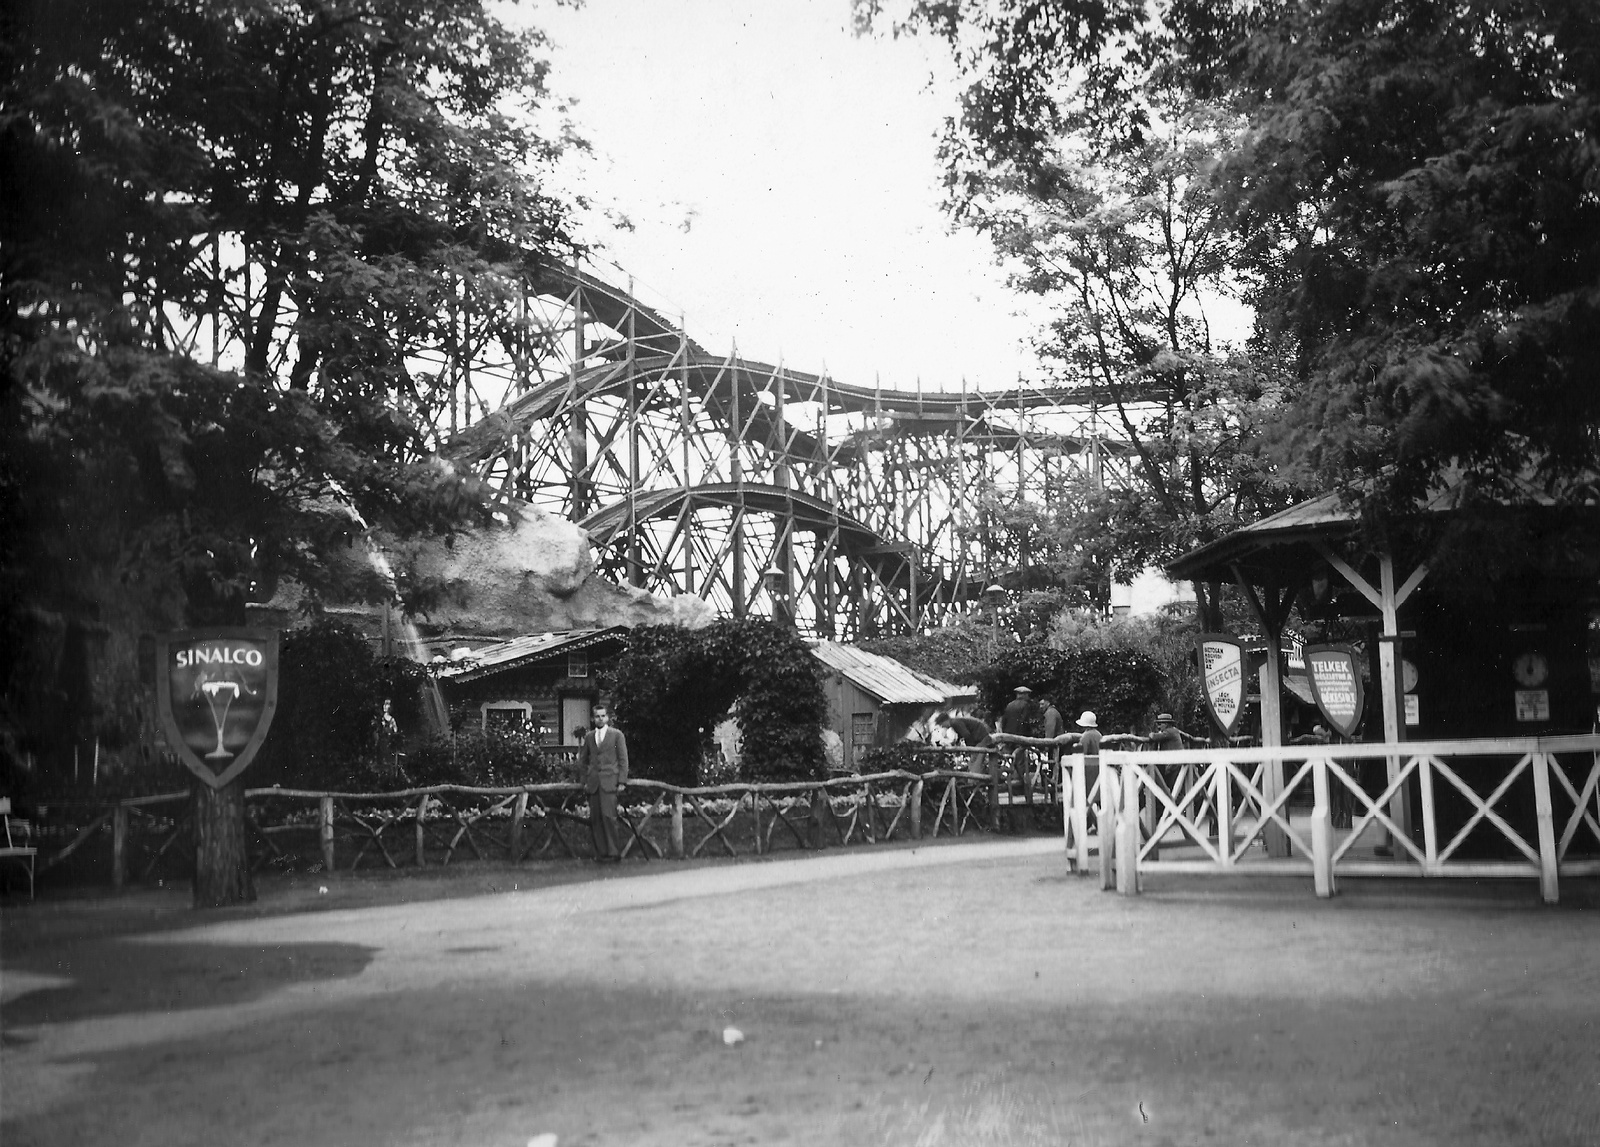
[[1020, 719], [1054, 725], [603, 765]]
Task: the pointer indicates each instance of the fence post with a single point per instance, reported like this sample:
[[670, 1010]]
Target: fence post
[[1224, 815], [676, 839], [119, 846], [755, 814], [1107, 829], [1080, 814], [422, 811], [1128, 833], [1430, 830], [325, 831], [1549, 890], [518, 812], [916, 809], [1321, 830]]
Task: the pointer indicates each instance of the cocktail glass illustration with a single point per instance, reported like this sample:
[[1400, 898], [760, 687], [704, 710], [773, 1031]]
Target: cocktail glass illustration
[[220, 695]]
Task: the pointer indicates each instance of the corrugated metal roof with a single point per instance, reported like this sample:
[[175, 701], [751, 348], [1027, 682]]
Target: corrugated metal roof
[[888, 680], [533, 647]]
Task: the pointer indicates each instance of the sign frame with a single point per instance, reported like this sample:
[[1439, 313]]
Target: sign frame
[[167, 645], [1345, 724], [1224, 688]]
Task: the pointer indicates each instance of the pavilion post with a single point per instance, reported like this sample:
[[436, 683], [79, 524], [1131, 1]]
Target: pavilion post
[[1271, 683], [1271, 607], [1389, 677]]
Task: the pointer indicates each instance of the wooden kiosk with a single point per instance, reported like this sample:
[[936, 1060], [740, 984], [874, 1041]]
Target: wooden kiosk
[[1517, 659]]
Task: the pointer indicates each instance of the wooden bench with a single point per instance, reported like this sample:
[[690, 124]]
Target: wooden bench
[[17, 847]]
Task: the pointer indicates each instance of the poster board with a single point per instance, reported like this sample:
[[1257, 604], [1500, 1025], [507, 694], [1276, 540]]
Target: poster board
[[1335, 676], [1222, 679], [216, 693]]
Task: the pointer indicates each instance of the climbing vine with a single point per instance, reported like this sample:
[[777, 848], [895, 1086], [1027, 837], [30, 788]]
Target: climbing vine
[[673, 685]]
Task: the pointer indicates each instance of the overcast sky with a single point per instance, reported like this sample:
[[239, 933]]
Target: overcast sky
[[781, 178]]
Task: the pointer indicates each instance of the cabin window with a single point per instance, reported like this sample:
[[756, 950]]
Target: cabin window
[[507, 716]]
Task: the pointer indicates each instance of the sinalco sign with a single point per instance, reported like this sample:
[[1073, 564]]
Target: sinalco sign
[[1222, 674], [1336, 685], [216, 690]]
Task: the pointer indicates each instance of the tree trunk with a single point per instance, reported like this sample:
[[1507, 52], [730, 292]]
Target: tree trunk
[[221, 853]]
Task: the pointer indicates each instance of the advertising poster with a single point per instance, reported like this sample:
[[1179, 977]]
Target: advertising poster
[[1336, 685], [216, 691], [1222, 674]]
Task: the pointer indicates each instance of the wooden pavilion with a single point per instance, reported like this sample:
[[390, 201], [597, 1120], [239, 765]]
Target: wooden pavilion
[[1517, 658]]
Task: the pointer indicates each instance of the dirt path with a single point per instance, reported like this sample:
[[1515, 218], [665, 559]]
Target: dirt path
[[965, 994]]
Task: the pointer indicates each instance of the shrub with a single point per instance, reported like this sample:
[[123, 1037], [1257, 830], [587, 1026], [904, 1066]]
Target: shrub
[[498, 758], [331, 689], [673, 685], [902, 755]]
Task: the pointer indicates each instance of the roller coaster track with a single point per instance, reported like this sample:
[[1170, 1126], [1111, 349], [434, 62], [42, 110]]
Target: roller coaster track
[[871, 510], [697, 472]]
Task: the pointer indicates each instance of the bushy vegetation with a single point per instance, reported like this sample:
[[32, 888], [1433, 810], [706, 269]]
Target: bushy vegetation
[[673, 686], [496, 758], [331, 690]]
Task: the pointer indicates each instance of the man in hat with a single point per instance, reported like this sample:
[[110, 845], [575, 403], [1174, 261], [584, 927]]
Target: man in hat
[[1020, 719], [1167, 736]]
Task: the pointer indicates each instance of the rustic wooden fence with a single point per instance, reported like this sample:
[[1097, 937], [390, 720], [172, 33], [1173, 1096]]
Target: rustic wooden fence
[[150, 837]]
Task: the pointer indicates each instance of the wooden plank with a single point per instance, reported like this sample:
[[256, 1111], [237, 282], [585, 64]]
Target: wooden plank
[[1549, 877]]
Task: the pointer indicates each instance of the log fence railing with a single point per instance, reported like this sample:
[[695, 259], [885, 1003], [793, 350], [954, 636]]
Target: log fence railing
[[439, 824], [1208, 810]]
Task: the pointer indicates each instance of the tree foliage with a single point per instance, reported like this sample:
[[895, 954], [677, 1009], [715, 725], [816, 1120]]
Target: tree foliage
[[672, 686], [228, 231], [1413, 197]]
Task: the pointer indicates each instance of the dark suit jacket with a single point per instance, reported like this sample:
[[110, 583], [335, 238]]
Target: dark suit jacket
[[603, 767]]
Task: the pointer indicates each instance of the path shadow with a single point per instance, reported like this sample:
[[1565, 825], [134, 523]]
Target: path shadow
[[119, 976]]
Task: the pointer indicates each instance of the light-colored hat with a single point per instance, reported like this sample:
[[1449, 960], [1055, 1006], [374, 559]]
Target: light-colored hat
[[1167, 717], [1087, 721], [1022, 689]]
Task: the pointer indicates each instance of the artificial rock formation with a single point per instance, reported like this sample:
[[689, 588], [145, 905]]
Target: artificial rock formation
[[532, 574]]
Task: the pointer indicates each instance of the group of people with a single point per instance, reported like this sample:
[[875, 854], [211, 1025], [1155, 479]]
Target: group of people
[[1041, 720]]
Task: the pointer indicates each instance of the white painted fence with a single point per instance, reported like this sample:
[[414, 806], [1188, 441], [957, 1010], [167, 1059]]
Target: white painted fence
[[1220, 810]]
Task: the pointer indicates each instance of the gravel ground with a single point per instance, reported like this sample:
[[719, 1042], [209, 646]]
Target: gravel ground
[[969, 992]]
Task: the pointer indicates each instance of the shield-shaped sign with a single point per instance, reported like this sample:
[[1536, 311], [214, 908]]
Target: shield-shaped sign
[[1222, 674], [216, 690], [1336, 685]]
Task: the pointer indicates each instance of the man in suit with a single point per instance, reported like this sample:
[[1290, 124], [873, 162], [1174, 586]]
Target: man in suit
[[603, 765]]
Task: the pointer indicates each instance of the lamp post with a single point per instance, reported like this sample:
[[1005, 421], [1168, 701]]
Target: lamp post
[[992, 597], [776, 583]]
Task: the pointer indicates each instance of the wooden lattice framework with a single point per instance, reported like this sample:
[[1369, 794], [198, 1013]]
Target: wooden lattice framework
[[699, 472]]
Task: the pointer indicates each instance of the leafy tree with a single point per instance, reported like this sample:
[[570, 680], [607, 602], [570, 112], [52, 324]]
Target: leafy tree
[[230, 232], [1419, 193], [1413, 196]]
